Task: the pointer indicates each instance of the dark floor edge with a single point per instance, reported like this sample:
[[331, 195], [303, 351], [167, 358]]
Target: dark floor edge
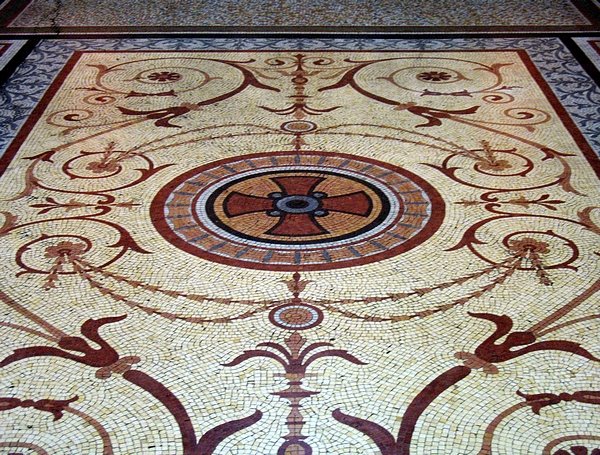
[[8, 69], [582, 58], [11, 10], [589, 10], [294, 30], [390, 36]]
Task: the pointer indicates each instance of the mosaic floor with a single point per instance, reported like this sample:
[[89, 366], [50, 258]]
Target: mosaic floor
[[300, 246]]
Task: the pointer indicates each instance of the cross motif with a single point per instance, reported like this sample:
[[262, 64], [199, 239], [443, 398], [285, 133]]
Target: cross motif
[[298, 205]]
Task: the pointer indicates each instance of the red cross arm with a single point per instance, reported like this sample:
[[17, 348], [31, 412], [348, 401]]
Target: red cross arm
[[300, 186], [240, 204], [295, 225], [353, 203]]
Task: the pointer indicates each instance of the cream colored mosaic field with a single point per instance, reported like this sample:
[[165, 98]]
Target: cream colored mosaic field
[[299, 252]]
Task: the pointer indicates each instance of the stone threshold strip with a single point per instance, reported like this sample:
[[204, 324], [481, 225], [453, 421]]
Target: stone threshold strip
[[59, 18], [295, 361]]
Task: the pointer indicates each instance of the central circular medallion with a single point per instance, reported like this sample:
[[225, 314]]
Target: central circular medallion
[[288, 211], [300, 206]]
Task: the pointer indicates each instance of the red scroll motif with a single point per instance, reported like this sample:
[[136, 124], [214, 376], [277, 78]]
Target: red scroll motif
[[108, 358], [489, 351]]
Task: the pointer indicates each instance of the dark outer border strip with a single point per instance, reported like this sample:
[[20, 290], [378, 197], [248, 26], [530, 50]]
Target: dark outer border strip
[[582, 58], [364, 36], [563, 115], [16, 60], [588, 9], [332, 30], [11, 11]]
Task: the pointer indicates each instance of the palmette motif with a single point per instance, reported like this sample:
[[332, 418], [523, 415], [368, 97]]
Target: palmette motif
[[373, 237]]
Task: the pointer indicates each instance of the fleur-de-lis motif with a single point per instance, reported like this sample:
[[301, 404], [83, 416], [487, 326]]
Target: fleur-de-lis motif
[[295, 360]]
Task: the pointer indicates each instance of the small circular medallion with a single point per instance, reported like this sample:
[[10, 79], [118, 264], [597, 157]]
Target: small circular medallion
[[294, 316], [292, 212], [298, 126]]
